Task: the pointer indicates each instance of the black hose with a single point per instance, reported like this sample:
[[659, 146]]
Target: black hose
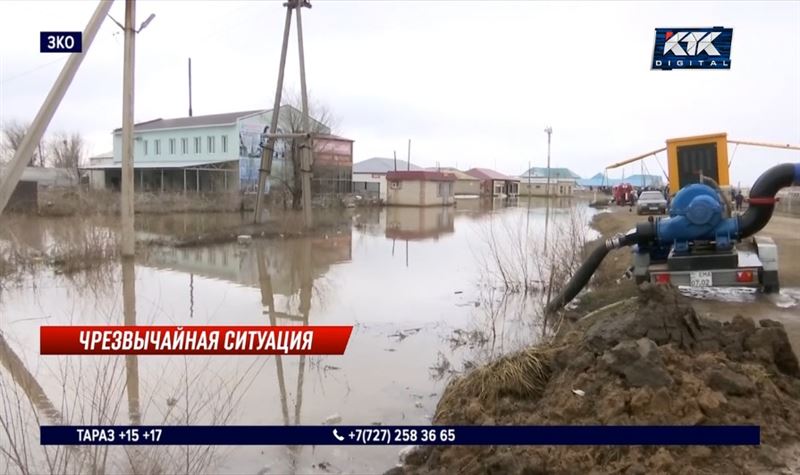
[[757, 216], [765, 188], [587, 269]]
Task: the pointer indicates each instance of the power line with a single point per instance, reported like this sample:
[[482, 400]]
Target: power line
[[9, 79]]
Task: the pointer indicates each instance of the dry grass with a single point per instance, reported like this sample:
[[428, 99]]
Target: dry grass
[[67, 246], [523, 375], [58, 202]]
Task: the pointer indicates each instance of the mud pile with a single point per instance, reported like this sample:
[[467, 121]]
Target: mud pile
[[652, 361]]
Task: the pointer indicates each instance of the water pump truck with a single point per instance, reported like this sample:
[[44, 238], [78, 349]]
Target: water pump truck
[[696, 238]]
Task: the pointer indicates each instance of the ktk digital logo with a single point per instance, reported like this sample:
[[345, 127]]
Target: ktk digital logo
[[693, 48]]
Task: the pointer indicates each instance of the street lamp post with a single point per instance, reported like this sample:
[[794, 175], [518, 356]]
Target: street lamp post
[[548, 130]]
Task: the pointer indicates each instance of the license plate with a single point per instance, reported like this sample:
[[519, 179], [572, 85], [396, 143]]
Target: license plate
[[700, 279]]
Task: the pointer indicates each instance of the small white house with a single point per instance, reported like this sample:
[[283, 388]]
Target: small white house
[[369, 176]]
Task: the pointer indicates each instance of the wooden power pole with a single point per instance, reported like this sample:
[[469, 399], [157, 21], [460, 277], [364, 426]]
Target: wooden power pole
[[306, 148], [126, 205]]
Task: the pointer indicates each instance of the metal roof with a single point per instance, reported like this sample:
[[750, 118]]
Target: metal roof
[[462, 176], [488, 174], [382, 165], [554, 173], [162, 164], [227, 118]]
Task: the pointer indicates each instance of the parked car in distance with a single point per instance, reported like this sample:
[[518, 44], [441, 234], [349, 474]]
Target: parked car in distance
[[651, 202]]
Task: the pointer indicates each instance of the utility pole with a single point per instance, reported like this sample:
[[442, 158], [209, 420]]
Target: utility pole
[[408, 160], [306, 150], [266, 153], [190, 87], [549, 131], [126, 208], [34, 135], [529, 183]]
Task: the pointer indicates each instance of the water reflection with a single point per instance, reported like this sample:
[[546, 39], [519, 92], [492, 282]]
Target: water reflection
[[406, 310], [131, 361], [283, 318]]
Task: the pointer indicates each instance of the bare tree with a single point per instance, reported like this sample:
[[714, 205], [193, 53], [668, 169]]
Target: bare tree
[[321, 121], [11, 140], [67, 151]]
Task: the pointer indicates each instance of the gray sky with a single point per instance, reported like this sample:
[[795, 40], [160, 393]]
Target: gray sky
[[471, 83]]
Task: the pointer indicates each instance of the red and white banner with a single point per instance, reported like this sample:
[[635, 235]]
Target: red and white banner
[[194, 340]]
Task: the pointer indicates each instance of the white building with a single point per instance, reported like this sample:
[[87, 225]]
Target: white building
[[369, 176]]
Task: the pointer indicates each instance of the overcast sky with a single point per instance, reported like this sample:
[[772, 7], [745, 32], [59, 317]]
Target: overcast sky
[[470, 83]]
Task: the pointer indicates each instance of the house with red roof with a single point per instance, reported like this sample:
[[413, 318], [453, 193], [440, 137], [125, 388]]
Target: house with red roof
[[494, 183]]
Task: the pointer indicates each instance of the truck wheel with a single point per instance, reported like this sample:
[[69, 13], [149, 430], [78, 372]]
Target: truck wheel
[[771, 289]]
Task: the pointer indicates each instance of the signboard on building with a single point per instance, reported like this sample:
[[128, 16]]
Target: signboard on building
[[331, 151], [252, 139]]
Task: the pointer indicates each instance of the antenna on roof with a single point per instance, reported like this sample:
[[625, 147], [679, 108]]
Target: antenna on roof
[[190, 87], [395, 160]]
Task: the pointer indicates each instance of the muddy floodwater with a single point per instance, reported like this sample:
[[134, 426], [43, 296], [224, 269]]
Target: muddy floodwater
[[415, 284], [411, 281]]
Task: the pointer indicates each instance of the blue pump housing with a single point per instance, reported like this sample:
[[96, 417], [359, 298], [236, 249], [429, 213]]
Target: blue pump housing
[[696, 214]]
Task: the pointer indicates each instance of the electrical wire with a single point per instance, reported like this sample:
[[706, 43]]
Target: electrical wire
[[733, 155], [25, 73]]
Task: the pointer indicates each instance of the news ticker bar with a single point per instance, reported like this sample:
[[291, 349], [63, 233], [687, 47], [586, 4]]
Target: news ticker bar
[[400, 435], [194, 340]]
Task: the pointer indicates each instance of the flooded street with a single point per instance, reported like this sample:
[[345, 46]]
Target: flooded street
[[412, 281]]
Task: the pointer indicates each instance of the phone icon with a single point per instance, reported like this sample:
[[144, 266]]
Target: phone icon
[[338, 437]]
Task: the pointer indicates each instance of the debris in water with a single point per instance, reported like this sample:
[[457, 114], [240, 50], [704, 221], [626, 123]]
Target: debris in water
[[244, 238], [405, 451], [418, 405], [472, 338], [579, 392], [332, 419], [458, 292], [403, 334], [441, 367]]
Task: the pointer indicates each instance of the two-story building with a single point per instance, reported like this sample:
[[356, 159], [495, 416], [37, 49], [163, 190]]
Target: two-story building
[[219, 152]]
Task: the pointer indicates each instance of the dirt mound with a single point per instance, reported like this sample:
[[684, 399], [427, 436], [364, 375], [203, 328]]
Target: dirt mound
[[654, 361]]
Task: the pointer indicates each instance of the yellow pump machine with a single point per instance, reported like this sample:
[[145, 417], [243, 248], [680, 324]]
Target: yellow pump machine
[[690, 158]]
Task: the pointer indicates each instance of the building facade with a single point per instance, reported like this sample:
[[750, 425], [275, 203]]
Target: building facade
[[465, 185], [420, 188], [369, 176], [494, 183], [538, 187], [220, 152]]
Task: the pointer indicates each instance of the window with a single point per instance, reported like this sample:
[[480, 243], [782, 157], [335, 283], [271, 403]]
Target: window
[[184, 146], [157, 146], [394, 185], [198, 142], [144, 146], [172, 146], [210, 147], [223, 142]]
